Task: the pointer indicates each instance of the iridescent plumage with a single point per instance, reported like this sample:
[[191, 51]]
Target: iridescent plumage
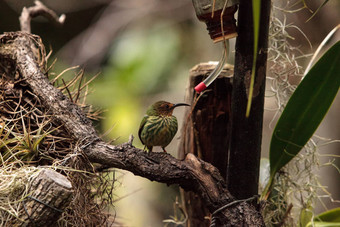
[[159, 126]]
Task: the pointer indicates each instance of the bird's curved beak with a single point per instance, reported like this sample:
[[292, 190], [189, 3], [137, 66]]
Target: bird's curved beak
[[179, 104]]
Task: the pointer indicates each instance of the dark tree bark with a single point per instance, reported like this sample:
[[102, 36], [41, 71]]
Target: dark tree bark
[[206, 133], [246, 133], [18, 54]]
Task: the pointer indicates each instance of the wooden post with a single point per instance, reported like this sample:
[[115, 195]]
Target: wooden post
[[246, 133], [206, 134]]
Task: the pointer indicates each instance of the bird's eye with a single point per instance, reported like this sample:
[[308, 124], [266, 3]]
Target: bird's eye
[[167, 106]]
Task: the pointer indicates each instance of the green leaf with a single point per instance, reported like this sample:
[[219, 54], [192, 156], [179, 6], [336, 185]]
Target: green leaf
[[305, 109], [328, 218], [256, 24], [306, 215]]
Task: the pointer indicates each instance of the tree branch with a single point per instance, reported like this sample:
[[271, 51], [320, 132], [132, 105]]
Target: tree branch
[[192, 174], [39, 9]]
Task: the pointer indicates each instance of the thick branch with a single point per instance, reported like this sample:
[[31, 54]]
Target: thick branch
[[191, 173]]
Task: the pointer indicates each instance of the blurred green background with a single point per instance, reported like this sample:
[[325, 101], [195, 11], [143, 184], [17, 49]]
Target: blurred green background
[[143, 51]]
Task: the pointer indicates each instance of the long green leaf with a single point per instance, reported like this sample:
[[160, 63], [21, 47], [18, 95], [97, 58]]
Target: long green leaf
[[305, 109], [256, 24]]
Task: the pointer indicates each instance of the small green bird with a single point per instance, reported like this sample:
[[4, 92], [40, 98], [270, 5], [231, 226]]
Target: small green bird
[[158, 126]]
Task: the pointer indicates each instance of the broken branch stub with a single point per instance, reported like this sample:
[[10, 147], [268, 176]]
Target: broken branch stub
[[48, 194]]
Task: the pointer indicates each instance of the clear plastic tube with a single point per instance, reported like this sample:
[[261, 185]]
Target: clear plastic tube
[[213, 75]]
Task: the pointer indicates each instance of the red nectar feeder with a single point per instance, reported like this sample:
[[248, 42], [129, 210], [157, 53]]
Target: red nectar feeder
[[210, 12]]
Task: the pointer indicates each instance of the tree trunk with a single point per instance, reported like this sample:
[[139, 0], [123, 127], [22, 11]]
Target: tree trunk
[[246, 133], [207, 134]]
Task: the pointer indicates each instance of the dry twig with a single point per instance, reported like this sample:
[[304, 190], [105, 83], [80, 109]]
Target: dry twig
[[39, 9]]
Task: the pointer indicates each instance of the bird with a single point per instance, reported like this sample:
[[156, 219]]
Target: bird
[[159, 126]]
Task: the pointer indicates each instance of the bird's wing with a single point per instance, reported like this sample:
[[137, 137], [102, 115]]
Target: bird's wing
[[141, 127]]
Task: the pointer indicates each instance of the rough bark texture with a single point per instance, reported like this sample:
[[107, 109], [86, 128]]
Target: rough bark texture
[[49, 193], [206, 133], [17, 52], [246, 133]]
